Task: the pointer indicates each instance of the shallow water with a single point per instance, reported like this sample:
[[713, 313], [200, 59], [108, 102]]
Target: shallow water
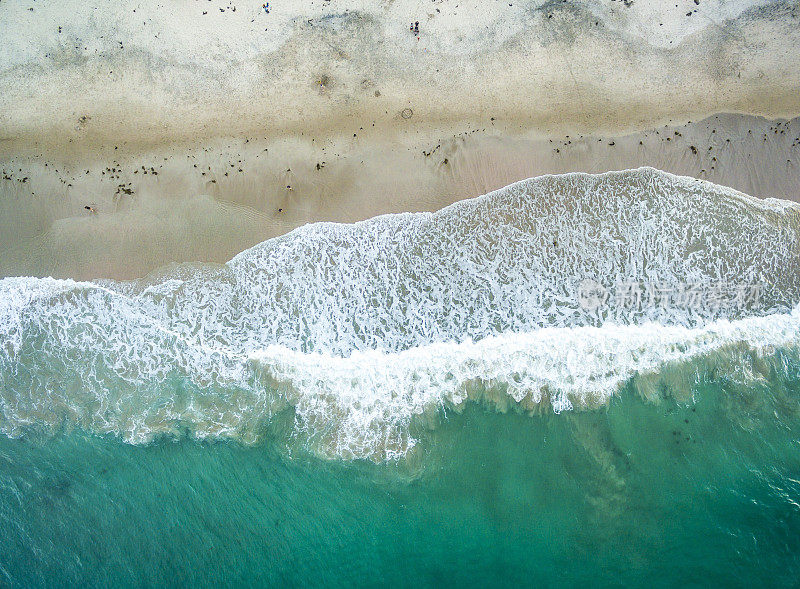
[[639, 494], [422, 399]]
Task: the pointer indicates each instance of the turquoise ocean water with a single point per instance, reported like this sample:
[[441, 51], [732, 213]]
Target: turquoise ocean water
[[574, 380]]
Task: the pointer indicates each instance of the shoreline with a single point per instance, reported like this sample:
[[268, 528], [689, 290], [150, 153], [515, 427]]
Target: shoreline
[[208, 202]]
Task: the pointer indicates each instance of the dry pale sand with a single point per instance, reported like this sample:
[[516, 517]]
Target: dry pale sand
[[209, 201], [77, 71]]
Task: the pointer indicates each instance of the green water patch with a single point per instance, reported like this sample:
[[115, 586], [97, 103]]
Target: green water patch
[[640, 493]]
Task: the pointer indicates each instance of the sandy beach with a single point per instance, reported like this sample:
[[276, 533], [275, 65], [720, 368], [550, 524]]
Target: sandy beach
[[194, 146]]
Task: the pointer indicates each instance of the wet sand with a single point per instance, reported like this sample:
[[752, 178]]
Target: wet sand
[[209, 201]]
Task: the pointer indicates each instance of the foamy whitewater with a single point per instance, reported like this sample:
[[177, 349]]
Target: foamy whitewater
[[551, 293]]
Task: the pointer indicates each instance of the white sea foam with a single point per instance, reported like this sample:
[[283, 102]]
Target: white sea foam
[[364, 404], [359, 328]]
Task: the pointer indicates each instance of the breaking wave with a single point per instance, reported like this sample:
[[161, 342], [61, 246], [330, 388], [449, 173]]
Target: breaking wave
[[359, 329]]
